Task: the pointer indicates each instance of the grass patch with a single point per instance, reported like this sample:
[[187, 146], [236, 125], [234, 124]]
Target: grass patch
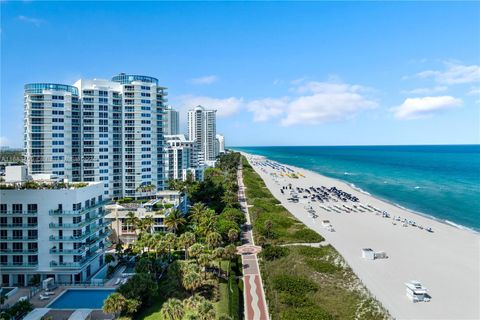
[[223, 303], [266, 210]]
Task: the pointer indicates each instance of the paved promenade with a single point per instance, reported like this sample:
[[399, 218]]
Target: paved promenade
[[254, 296]]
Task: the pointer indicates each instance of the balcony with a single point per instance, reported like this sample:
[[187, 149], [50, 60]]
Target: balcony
[[20, 213], [78, 251], [19, 225], [77, 225], [13, 265], [74, 265], [78, 212], [14, 251], [17, 239], [101, 236], [84, 236]]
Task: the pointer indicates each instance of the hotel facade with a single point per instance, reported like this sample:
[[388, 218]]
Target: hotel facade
[[51, 230], [110, 131]]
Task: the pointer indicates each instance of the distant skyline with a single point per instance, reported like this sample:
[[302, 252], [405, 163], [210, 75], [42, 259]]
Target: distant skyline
[[284, 73]]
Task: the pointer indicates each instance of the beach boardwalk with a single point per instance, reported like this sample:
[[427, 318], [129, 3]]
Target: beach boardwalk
[[254, 295]]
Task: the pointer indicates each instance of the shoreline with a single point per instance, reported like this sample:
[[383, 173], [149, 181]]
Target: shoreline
[[359, 189], [446, 260]]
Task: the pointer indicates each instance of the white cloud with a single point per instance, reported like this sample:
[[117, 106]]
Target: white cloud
[[415, 108], [4, 142], [311, 103], [426, 91], [204, 80], [327, 101], [265, 109], [225, 107], [474, 91], [35, 21], [454, 73]]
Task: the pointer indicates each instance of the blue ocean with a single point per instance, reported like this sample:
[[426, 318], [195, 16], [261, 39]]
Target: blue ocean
[[441, 181]]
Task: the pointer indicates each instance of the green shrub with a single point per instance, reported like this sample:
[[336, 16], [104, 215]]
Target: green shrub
[[308, 235], [310, 313], [141, 287], [295, 300], [274, 252], [294, 284], [315, 252], [322, 266], [234, 297]]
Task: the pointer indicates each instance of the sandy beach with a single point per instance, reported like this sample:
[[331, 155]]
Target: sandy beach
[[446, 261]]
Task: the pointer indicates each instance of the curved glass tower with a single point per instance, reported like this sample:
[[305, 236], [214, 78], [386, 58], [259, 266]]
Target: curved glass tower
[[110, 131], [52, 129]]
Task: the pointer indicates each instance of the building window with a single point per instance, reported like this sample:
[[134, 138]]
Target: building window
[[17, 208]]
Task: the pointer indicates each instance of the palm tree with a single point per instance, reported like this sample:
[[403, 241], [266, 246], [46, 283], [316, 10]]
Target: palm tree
[[206, 310], [229, 199], [115, 303], [174, 220], [192, 281], [132, 220], [131, 306], [232, 235], [204, 260], [208, 222], [146, 224], [196, 211], [218, 254], [195, 250], [172, 309], [187, 239], [214, 239], [171, 241], [230, 253]]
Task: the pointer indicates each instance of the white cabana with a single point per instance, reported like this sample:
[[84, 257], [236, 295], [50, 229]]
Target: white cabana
[[416, 292], [36, 314], [80, 314]]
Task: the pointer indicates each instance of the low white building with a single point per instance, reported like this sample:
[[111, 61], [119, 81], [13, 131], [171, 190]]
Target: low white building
[[51, 229], [157, 208]]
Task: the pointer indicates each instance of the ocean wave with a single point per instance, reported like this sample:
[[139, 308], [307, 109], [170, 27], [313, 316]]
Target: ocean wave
[[359, 189], [459, 226], [417, 187], [346, 173]]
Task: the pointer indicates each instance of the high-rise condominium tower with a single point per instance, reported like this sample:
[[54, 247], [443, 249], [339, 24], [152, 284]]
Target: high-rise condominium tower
[[172, 121], [202, 129], [98, 130]]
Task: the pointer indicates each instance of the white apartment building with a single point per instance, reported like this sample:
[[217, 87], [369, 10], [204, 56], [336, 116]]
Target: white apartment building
[[172, 121], [51, 229], [181, 156], [202, 130], [220, 143], [98, 130]]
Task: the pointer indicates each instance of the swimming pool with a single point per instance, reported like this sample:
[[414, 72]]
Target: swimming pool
[[81, 299]]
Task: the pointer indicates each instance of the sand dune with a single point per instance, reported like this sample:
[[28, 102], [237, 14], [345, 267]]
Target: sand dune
[[446, 261]]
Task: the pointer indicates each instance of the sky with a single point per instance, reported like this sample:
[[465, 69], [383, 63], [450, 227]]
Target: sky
[[283, 73]]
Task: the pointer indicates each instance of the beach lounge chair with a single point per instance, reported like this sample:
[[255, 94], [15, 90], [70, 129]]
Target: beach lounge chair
[[42, 297], [49, 293], [118, 281]]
